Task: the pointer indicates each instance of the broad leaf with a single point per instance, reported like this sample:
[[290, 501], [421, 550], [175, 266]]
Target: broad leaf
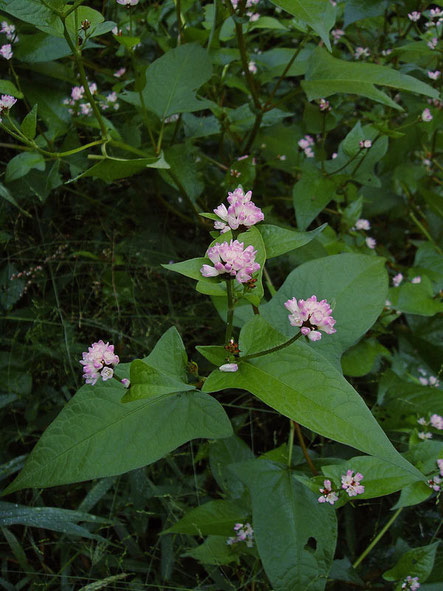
[[20, 165], [36, 13], [281, 240], [173, 79], [311, 194], [111, 169], [8, 87], [417, 562], [415, 298], [413, 494], [295, 535], [337, 278], [214, 550], [327, 75], [222, 454], [318, 14], [301, 384], [216, 518], [95, 435]]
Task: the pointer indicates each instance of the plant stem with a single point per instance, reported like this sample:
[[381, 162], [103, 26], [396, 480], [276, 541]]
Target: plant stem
[[78, 60], [230, 315], [274, 349], [290, 441], [304, 449], [377, 538]]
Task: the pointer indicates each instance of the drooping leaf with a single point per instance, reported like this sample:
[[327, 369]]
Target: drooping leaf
[[8, 87], [212, 518], [21, 164], [29, 123], [95, 435], [301, 384], [295, 535], [327, 75], [149, 382], [214, 550], [318, 14], [173, 79], [112, 169]]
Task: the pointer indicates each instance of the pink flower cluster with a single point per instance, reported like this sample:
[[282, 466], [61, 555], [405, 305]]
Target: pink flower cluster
[[426, 380], [337, 34], [232, 258], [362, 224], [361, 52], [327, 494], [10, 34], [229, 367], [128, 2], [350, 483], [241, 212], [324, 105], [97, 361], [7, 101], [253, 16], [79, 105], [306, 144], [311, 316], [243, 533], [410, 584]]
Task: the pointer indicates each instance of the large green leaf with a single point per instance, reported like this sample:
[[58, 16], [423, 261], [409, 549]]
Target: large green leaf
[[327, 75], [417, 562], [223, 453], [281, 240], [95, 435], [311, 194], [415, 298], [295, 535], [318, 14], [36, 13], [301, 384], [355, 285], [216, 518], [111, 169], [8, 87], [173, 79]]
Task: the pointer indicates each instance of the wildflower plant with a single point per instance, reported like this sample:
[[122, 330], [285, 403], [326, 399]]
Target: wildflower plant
[[304, 303]]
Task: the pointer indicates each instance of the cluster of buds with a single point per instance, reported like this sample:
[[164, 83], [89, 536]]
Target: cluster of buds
[[426, 380], [397, 279], [9, 31], [311, 316], [243, 533], [6, 102], [253, 16], [232, 347], [128, 3], [371, 242], [337, 34], [350, 483], [426, 116], [435, 421], [241, 214], [78, 105], [410, 584], [435, 481], [306, 144], [365, 144], [231, 258], [361, 52], [414, 16], [99, 361], [252, 67], [119, 73], [435, 75], [324, 105]]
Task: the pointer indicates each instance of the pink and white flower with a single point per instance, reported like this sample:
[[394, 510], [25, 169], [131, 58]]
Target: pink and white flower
[[414, 16], [119, 73], [397, 279], [365, 144], [126, 383], [327, 494], [432, 43], [361, 52], [252, 67], [128, 2], [9, 30], [97, 361], [324, 105], [426, 115], [243, 533], [410, 584], [362, 224], [434, 75], [370, 242], [351, 484], [241, 212], [6, 51], [337, 34], [435, 483], [424, 436], [311, 316], [416, 279], [231, 258], [440, 466], [7, 101], [436, 421]]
